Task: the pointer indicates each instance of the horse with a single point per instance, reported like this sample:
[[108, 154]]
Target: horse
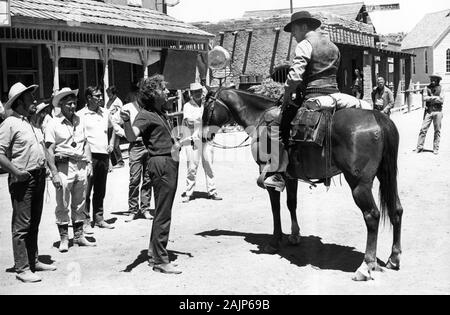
[[364, 146]]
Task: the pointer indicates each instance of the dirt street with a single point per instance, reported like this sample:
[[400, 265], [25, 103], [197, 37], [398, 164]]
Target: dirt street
[[218, 244]]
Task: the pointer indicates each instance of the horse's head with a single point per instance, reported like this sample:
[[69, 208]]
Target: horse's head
[[216, 114]]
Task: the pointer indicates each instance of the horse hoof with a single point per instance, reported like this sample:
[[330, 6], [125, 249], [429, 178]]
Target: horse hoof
[[269, 249], [363, 273], [393, 266], [295, 240]]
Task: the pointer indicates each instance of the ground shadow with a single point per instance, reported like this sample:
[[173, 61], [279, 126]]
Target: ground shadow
[[46, 259], [143, 258], [311, 251], [198, 195]]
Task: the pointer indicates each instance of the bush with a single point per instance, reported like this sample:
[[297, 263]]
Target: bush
[[269, 88]]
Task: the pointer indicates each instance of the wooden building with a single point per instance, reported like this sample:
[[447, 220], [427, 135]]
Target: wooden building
[[258, 45], [79, 43]]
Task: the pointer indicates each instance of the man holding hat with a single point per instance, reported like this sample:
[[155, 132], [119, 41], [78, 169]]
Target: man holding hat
[[196, 149], [23, 156], [312, 74], [434, 98], [70, 162]]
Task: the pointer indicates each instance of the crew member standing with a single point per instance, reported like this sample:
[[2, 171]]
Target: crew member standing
[[156, 131], [382, 97], [434, 98], [22, 155]]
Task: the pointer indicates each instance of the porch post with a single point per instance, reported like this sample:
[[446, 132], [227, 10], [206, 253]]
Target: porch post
[[106, 68], [397, 75], [55, 58]]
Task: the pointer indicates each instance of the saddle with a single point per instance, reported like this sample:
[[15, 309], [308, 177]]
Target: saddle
[[310, 149]]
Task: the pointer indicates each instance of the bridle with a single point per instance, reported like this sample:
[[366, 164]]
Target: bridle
[[211, 106]]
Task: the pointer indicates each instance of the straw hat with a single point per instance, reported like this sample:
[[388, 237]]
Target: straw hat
[[437, 76], [304, 16], [61, 94], [16, 91]]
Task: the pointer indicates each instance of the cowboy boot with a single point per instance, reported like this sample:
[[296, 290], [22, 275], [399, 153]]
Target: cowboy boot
[[64, 234], [79, 238]]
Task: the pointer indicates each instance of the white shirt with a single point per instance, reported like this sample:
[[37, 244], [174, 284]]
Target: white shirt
[[115, 106], [133, 109], [96, 128], [193, 116]]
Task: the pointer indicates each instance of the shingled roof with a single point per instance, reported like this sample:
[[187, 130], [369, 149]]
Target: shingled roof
[[429, 30], [95, 12], [347, 10]]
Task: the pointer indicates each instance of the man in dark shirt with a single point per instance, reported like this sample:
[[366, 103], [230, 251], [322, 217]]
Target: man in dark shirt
[[156, 131], [434, 98]]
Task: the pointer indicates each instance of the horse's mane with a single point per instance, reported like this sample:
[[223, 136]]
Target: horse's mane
[[260, 102]]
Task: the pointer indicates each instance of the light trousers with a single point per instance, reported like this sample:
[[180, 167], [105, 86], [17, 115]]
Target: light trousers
[[200, 152]]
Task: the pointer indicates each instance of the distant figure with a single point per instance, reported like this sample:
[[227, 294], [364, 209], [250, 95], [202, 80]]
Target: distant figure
[[382, 97], [357, 89], [114, 106], [434, 98]]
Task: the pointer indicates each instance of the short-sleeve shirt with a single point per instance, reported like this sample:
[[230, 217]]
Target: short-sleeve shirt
[[193, 115], [96, 128], [22, 143], [156, 132], [64, 134]]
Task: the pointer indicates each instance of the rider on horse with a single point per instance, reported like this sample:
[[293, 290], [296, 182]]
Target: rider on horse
[[312, 74]]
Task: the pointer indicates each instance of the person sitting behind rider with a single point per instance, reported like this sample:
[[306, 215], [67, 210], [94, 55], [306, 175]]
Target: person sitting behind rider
[[313, 73]]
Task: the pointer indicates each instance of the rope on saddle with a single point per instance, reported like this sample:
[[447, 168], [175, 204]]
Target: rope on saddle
[[328, 147]]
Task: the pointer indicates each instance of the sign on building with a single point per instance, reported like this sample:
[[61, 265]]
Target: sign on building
[[5, 14]]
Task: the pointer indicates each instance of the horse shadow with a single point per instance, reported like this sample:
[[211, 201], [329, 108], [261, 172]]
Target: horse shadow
[[143, 258], [311, 251]]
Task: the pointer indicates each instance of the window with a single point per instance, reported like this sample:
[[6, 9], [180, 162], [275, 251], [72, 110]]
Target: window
[[448, 61], [426, 61]]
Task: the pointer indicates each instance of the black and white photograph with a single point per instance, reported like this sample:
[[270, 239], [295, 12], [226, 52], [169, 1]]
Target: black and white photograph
[[246, 150]]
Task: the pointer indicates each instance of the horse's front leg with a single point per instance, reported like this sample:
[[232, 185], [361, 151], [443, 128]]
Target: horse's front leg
[[274, 246], [291, 189]]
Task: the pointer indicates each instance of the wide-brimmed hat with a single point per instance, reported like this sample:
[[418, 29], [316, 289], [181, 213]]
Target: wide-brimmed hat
[[16, 91], [61, 94], [41, 107], [195, 87], [437, 76], [304, 16]]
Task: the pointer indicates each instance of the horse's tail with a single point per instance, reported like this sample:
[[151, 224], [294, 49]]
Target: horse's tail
[[388, 169]]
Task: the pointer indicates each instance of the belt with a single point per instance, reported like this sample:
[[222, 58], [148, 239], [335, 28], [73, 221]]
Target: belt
[[67, 160], [325, 91]]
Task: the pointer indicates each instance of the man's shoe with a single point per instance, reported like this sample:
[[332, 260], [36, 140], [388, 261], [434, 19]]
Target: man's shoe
[[120, 165], [28, 277], [167, 269], [215, 197], [147, 215], [186, 199], [83, 242], [418, 150], [132, 217], [88, 230], [41, 267], [436, 152], [104, 225], [276, 181]]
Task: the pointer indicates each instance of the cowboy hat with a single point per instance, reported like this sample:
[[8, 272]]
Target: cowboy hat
[[41, 107], [304, 16], [195, 87], [16, 91], [61, 94], [436, 76]]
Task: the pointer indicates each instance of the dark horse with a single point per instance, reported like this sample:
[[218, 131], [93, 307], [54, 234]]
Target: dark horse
[[364, 146]]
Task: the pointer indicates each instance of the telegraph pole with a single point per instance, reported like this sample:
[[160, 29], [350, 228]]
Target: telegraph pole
[[288, 58]]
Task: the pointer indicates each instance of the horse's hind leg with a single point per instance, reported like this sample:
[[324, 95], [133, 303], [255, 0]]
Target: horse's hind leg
[[396, 220], [362, 194], [291, 189], [274, 246]]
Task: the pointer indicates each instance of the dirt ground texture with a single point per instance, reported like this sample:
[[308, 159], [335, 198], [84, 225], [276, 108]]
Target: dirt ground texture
[[218, 245]]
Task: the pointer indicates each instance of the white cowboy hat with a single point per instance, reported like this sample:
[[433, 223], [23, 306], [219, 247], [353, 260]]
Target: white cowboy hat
[[61, 94], [195, 87], [41, 107], [15, 92]]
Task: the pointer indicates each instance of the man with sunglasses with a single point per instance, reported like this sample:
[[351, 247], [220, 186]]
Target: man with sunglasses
[[97, 120], [70, 164]]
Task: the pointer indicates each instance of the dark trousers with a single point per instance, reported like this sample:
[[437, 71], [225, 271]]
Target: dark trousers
[[138, 154], [164, 175], [116, 155], [27, 202], [97, 183]]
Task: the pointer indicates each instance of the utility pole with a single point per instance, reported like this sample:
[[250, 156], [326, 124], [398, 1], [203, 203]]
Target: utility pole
[[288, 58]]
